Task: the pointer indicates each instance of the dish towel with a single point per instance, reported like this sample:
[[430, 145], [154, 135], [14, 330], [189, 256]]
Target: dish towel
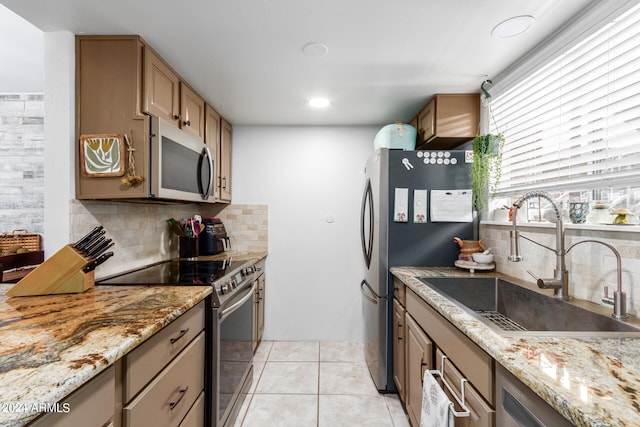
[[435, 404]]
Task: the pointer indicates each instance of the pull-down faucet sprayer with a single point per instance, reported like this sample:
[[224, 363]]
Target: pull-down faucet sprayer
[[560, 281]]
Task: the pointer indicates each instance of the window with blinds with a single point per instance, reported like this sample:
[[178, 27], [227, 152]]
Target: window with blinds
[[574, 124]]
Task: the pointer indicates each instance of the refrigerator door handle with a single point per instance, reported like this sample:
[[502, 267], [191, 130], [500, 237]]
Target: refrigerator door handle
[[367, 244], [369, 294]]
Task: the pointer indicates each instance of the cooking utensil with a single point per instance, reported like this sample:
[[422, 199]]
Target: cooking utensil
[[96, 262], [175, 226], [96, 239], [99, 249], [86, 250], [88, 237]]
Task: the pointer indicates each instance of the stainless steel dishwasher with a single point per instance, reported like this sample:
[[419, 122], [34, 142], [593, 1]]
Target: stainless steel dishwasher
[[518, 406]]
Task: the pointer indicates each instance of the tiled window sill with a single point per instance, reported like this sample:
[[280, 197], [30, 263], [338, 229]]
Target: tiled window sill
[[631, 228]]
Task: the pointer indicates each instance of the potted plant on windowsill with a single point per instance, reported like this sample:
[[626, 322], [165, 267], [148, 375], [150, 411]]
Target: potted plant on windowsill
[[487, 158]]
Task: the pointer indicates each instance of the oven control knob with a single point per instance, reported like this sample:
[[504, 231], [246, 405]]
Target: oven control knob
[[225, 288], [233, 284]]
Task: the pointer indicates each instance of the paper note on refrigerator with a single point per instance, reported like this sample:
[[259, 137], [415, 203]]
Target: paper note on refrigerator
[[401, 205], [419, 206], [451, 206]]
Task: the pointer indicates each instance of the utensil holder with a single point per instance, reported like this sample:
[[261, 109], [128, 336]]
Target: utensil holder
[[188, 247], [60, 274]]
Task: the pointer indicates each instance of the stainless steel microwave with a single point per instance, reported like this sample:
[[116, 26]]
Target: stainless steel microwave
[[182, 167]]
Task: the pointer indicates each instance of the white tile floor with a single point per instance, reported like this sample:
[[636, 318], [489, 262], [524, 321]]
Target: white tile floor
[[316, 384]]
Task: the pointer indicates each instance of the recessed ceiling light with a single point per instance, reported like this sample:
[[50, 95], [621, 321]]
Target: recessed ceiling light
[[512, 26], [319, 102], [315, 50]]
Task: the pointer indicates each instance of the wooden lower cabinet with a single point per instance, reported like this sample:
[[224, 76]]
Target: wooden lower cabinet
[[429, 337], [168, 398], [258, 300], [92, 405], [399, 335], [419, 358], [481, 414]]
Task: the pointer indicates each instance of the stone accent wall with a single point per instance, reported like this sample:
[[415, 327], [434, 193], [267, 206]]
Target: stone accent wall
[[591, 266], [22, 162]]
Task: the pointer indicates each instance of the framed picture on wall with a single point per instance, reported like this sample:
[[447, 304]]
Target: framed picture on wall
[[102, 155]]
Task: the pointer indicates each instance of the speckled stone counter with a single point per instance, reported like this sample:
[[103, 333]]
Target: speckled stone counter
[[590, 381], [52, 345]]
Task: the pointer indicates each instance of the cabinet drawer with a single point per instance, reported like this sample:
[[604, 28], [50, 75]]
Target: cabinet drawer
[[92, 405], [481, 413], [167, 399], [476, 365], [399, 291], [144, 363], [195, 417]]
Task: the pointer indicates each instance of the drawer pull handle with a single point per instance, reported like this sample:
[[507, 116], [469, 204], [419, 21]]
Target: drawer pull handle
[[187, 122], [183, 332], [182, 392]]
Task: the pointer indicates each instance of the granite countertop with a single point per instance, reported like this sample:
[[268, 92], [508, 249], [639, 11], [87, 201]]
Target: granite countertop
[[51, 345], [590, 381]]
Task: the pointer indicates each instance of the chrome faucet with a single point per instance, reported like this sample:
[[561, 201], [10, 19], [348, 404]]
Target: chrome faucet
[[560, 281], [619, 298]]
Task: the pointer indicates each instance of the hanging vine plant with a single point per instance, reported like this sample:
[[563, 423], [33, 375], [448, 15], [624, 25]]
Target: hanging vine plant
[[486, 168]]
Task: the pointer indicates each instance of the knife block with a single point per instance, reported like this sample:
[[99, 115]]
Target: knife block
[[60, 274]]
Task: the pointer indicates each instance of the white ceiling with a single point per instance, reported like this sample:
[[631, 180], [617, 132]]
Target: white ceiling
[[385, 58]]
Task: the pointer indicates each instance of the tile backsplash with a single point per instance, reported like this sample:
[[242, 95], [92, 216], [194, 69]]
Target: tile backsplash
[[142, 235], [591, 266]]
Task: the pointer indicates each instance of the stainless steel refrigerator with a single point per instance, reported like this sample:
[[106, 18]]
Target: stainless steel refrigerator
[[414, 204]]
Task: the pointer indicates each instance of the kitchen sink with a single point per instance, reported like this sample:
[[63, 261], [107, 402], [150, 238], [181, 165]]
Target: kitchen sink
[[513, 310]]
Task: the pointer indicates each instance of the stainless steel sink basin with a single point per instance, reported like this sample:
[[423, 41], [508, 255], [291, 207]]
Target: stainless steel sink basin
[[513, 310]]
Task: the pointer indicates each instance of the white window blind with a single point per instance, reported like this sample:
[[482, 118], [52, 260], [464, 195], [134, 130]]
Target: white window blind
[[575, 123]]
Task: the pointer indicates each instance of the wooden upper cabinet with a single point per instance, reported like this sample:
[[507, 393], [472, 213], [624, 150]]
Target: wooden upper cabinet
[[212, 134], [448, 120], [226, 141], [168, 97], [426, 122], [161, 96], [192, 111]]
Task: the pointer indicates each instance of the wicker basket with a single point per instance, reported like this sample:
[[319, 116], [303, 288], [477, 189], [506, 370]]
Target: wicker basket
[[22, 238]]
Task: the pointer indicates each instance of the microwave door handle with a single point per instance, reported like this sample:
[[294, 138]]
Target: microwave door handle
[[206, 153]]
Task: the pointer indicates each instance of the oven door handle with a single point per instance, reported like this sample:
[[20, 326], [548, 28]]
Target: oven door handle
[[227, 311]]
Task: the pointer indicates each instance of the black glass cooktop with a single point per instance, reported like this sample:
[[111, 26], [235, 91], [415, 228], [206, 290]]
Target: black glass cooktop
[[175, 273]]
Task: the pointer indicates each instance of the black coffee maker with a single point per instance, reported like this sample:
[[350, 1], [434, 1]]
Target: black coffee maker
[[214, 238]]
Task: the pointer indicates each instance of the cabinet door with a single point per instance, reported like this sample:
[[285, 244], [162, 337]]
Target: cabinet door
[[261, 292], [92, 405], [161, 89], [399, 334], [226, 141], [258, 312], [419, 358], [191, 112], [427, 122], [457, 115], [212, 135]]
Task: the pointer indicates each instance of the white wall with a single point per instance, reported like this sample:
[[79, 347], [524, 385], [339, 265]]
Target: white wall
[[59, 138], [21, 55], [308, 176]]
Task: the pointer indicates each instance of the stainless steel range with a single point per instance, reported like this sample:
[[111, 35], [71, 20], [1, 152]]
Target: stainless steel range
[[229, 325]]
